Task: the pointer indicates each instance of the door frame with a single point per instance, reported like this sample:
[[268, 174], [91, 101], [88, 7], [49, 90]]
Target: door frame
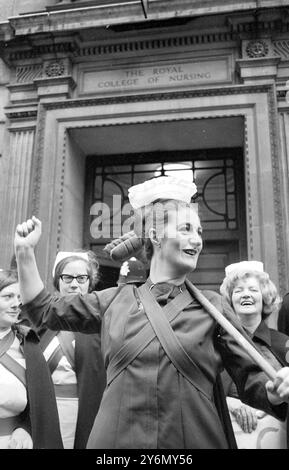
[[265, 195]]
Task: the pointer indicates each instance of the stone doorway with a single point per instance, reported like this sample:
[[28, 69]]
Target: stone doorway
[[196, 120]]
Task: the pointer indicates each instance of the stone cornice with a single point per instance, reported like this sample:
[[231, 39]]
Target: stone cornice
[[170, 95], [54, 81], [49, 48], [21, 112], [53, 42], [257, 62], [137, 45], [74, 49], [101, 15], [16, 87], [259, 21]]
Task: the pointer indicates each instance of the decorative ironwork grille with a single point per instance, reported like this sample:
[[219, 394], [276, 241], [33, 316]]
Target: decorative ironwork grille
[[217, 174]]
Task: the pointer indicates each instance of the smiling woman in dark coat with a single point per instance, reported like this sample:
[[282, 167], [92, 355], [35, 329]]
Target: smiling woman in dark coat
[[253, 296]]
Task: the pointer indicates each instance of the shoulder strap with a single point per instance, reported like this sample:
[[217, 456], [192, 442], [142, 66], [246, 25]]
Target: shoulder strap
[[138, 343], [170, 343], [54, 359], [56, 355], [65, 347], [6, 342], [14, 367], [46, 338], [65, 339], [130, 350]]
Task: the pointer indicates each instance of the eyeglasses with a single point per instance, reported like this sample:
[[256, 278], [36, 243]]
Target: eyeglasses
[[81, 278]]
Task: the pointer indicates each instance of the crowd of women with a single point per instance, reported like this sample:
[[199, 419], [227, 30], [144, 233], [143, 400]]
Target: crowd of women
[[141, 365]]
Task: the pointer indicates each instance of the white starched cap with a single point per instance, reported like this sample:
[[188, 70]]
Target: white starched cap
[[244, 266], [67, 254], [164, 187]]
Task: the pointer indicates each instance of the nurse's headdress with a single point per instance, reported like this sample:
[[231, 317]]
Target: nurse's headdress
[[163, 187], [244, 266], [61, 255], [141, 197]]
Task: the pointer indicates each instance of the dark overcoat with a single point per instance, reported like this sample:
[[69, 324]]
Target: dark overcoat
[[40, 417]]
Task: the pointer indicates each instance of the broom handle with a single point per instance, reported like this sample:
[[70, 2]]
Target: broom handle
[[253, 353]]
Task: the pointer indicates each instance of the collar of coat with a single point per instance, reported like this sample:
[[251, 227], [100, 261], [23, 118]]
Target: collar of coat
[[276, 341], [262, 333], [25, 331]]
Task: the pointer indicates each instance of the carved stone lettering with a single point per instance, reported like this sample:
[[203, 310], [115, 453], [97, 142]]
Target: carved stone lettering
[[161, 76]]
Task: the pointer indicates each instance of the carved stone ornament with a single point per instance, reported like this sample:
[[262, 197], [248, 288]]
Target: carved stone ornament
[[55, 69], [257, 49]]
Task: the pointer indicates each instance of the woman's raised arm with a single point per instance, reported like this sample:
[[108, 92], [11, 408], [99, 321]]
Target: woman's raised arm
[[27, 236]]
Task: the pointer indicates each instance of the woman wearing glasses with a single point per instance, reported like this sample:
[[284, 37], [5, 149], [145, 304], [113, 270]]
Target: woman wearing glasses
[[74, 359]]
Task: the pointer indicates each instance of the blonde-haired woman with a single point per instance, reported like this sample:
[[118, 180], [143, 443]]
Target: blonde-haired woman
[[253, 297]]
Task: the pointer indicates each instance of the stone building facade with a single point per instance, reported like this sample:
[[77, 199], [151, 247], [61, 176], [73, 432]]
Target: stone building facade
[[97, 93]]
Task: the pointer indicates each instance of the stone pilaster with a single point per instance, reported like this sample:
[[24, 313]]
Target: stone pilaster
[[15, 173], [284, 162]]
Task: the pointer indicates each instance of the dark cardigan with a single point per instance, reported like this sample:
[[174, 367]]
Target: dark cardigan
[[283, 316], [91, 381], [40, 417]]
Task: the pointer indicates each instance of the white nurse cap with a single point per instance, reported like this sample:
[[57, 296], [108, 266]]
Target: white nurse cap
[[66, 254], [163, 187], [244, 266]]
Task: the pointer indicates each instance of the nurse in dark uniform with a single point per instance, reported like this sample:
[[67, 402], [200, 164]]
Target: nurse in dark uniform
[[163, 351]]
